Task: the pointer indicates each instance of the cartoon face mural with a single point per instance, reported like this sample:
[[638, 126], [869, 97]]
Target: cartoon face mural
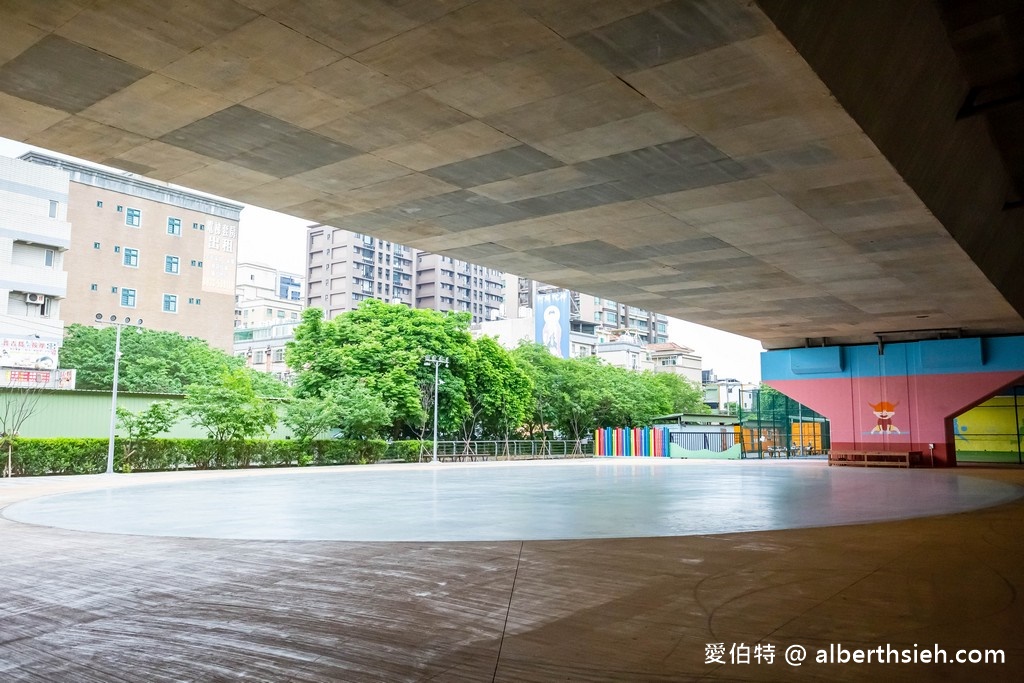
[[884, 411]]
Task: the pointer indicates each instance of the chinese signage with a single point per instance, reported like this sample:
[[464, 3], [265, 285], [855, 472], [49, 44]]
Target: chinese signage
[[28, 352], [219, 258], [13, 378]]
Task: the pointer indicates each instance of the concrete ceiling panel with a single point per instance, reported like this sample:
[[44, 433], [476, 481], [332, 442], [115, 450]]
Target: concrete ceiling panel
[[488, 168], [680, 155], [472, 38], [343, 26], [23, 119], [402, 120], [448, 146], [152, 34], [671, 31], [352, 173], [58, 73], [155, 105], [87, 139], [258, 142], [354, 86], [616, 137], [538, 76], [539, 184]]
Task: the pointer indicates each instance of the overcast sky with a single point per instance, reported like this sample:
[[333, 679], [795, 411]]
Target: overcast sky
[[279, 241]]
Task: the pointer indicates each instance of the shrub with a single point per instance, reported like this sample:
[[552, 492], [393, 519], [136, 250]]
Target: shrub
[[33, 457], [409, 451]]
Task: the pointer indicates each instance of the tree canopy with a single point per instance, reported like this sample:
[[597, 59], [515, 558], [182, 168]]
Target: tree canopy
[[152, 361], [485, 392]]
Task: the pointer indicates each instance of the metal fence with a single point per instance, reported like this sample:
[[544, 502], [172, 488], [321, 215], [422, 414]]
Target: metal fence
[[716, 442], [460, 451]]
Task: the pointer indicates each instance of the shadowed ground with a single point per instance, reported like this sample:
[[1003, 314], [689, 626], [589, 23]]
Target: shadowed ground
[[81, 606]]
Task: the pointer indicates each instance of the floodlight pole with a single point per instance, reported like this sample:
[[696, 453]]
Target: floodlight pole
[[437, 361], [113, 395]]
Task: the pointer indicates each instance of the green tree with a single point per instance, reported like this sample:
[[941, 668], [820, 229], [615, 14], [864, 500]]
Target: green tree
[[683, 395], [141, 426], [384, 345], [308, 418], [542, 369], [17, 404], [363, 413], [498, 392], [230, 409], [152, 361]]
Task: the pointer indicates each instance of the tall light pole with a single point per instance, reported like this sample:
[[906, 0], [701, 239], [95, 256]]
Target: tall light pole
[[118, 324], [437, 362]]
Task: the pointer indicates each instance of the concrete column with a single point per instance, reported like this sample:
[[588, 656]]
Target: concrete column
[[900, 396]]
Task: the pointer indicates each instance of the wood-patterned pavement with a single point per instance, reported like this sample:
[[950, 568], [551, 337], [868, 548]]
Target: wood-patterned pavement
[[85, 607]]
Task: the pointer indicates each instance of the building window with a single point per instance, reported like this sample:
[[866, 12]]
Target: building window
[[198, 301], [53, 208], [131, 257], [128, 297], [133, 218], [170, 303], [95, 245], [48, 257], [174, 226], [270, 311], [99, 203], [171, 264], [120, 209], [278, 355], [258, 357], [113, 290], [117, 249], [93, 287], [280, 314]]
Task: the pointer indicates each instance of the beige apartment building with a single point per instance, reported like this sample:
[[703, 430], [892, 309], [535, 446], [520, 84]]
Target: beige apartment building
[[447, 284], [343, 268], [149, 251]]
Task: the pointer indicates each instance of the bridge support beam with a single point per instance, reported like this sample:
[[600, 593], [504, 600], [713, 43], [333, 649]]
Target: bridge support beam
[[899, 396]]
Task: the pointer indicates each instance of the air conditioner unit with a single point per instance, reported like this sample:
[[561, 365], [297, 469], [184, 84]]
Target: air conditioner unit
[[33, 298]]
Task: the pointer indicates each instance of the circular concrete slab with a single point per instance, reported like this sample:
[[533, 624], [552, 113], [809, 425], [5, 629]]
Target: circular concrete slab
[[593, 498]]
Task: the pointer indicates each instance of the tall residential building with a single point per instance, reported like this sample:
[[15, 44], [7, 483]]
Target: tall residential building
[[447, 284], [34, 236], [344, 268], [145, 249], [266, 296]]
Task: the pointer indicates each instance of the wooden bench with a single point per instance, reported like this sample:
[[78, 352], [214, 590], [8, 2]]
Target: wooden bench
[[874, 458]]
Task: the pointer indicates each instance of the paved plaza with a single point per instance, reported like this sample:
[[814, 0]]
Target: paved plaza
[[157, 601]]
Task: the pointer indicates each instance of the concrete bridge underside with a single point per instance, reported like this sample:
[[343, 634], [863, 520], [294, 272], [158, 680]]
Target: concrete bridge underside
[[785, 170]]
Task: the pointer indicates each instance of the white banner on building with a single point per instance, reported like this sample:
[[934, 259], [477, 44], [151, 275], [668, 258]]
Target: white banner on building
[[28, 352]]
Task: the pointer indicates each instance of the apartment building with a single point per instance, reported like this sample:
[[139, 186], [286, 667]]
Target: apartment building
[[266, 296], [447, 284], [145, 249], [34, 237], [345, 267]]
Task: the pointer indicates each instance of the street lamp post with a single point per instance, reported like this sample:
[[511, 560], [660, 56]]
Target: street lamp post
[[118, 324], [437, 361]]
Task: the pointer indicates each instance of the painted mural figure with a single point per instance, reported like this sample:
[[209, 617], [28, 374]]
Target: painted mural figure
[[552, 333], [884, 411]]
